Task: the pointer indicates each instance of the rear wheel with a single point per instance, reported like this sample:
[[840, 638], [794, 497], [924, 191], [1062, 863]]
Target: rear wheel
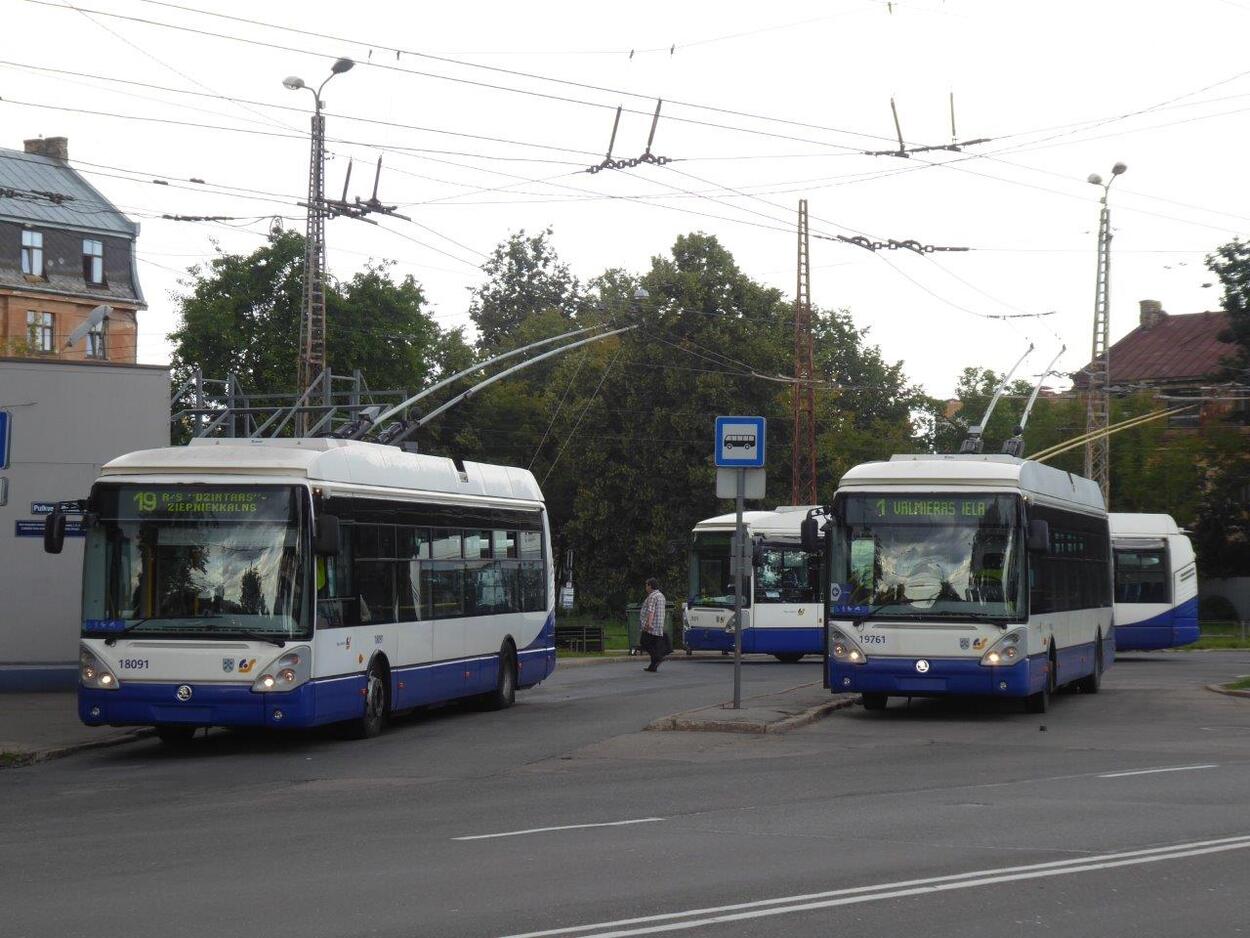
[[1092, 683], [175, 737], [504, 694], [790, 657], [1040, 702], [377, 704], [875, 701]]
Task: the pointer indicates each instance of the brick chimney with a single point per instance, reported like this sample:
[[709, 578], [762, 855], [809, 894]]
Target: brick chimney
[[1152, 313], [54, 148]]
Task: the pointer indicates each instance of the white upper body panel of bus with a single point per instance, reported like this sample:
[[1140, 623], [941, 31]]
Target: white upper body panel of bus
[[978, 471], [782, 521], [334, 462], [1139, 525]]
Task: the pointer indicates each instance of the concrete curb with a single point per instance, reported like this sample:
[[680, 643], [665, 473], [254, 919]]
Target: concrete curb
[[32, 757], [688, 722], [1227, 692], [582, 662]]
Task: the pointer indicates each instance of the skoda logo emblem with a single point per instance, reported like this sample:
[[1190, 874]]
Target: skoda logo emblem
[[183, 692], [922, 666]]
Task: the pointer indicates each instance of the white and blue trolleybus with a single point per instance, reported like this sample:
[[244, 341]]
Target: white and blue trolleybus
[[781, 612], [1156, 583], [296, 582], [969, 574]]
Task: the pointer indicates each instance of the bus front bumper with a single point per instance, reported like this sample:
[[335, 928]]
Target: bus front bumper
[[899, 677], [137, 703]]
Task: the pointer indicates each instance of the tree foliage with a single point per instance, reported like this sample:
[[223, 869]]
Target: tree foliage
[[1231, 263]]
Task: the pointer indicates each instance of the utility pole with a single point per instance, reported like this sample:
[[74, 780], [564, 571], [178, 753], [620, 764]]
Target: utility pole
[[1098, 401], [803, 457]]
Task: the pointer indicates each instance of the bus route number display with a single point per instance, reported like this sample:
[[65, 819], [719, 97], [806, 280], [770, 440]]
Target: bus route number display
[[188, 503]]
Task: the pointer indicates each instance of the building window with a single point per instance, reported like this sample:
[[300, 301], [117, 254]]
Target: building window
[[93, 261], [32, 253], [97, 342], [39, 331]]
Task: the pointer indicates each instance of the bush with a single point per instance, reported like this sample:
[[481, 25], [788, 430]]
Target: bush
[[1216, 609]]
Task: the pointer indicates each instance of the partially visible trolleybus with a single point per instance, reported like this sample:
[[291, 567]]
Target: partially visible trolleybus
[[290, 583], [781, 610], [1156, 583], [970, 574]]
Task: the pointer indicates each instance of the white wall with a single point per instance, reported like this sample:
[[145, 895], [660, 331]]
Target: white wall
[[1235, 589], [67, 420]]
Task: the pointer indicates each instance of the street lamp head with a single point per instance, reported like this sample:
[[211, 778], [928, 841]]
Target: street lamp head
[[1094, 179], [293, 83], [641, 294], [1117, 169], [341, 66]]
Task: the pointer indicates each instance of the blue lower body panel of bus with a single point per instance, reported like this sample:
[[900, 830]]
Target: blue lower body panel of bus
[[1171, 629], [758, 641], [898, 677], [142, 704]]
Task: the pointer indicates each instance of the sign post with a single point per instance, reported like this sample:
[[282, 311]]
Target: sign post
[[739, 456]]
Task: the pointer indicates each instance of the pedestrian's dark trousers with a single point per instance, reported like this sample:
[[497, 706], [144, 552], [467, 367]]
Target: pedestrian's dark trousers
[[653, 645]]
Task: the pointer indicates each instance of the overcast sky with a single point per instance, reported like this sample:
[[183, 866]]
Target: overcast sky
[[1064, 89]]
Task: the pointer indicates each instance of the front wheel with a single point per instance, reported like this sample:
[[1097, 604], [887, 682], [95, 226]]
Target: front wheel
[[1092, 683], [875, 701], [790, 657], [1040, 702], [377, 705]]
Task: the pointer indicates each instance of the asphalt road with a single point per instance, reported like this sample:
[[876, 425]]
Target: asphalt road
[[941, 818]]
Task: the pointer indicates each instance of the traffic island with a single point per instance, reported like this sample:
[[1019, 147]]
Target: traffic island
[[767, 713], [1237, 688]]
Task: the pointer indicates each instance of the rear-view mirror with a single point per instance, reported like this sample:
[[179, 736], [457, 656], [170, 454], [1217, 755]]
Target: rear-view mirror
[[809, 533], [54, 532], [1039, 535], [326, 535]]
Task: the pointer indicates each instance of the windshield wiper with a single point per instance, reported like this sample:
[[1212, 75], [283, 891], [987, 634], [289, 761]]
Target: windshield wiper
[[254, 636], [112, 639]]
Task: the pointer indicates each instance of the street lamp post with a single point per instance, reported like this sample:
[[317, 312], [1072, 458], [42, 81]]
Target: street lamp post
[[312, 337], [1098, 401]]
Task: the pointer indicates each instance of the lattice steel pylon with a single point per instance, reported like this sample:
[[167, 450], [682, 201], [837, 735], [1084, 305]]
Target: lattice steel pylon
[[1098, 400], [312, 329], [803, 459]]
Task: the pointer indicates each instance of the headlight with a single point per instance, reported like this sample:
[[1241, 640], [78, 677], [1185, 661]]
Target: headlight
[[93, 673], [289, 670], [1008, 650], [843, 649]]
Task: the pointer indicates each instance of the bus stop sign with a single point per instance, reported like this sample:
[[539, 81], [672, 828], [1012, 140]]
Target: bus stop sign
[[740, 442]]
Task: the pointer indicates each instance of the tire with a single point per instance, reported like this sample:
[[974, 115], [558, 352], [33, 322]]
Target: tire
[[1040, 702], [1092, 683], [175, 737], [377, 704], [504, 694], [790, 657], [875, 701]]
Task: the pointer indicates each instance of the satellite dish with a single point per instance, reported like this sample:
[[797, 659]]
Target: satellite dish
[[94, 318]]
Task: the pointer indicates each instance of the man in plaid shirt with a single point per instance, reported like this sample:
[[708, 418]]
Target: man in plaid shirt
[[653, 638]]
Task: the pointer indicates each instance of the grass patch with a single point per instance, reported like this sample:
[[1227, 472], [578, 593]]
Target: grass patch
[[1242, 683], [9, 759], [1219, 635]]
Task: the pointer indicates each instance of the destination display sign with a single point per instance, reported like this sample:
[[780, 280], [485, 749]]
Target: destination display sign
[[194, 502], [930, 509]]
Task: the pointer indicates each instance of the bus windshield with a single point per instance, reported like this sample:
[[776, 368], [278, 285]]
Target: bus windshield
[[928, 556], [711, 583], [214, 561]]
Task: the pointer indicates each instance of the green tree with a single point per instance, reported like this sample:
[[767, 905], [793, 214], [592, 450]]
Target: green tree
[[1222, 514], [525, 278], [240, 314], [1231, 263]]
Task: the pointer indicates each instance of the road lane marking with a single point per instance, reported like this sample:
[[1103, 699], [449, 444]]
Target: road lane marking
[[563, 827], [1175, 768], [673, 921]]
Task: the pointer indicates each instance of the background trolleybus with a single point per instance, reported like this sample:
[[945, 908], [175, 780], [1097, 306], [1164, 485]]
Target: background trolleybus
[[970, 574], [781, 611], [1156, 583], [291, 583]]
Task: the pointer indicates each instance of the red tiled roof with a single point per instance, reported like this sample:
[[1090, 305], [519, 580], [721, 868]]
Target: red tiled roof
[[1179, 348]]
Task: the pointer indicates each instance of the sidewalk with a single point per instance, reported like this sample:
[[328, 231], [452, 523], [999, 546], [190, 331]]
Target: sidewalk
[[767, 713], [36, 727]]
